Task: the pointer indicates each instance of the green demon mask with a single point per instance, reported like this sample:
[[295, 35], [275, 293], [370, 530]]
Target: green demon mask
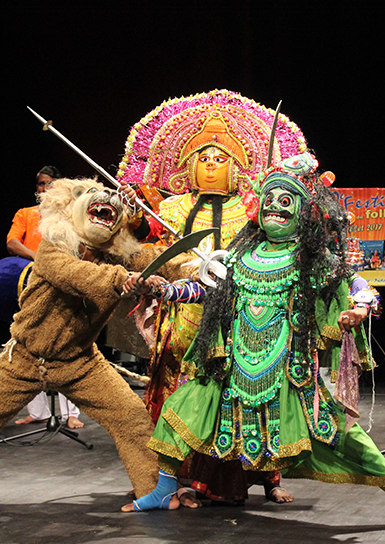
[[279, 214], [282, 192]]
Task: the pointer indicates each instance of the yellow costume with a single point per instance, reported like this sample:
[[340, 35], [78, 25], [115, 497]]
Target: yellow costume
[[185, 318], [206, 149]]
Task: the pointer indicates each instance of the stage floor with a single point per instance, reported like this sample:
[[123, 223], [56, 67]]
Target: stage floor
[[59, 492]]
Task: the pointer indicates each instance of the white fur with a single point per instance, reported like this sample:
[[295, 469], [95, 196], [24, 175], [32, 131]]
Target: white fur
[[57, 225]]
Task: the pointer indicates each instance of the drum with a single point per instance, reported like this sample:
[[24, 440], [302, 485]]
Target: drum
[[14, 274]]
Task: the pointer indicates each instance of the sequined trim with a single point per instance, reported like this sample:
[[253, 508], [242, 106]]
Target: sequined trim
[[165, 449], [336, 478], [334, 376], [184, 432], [268, 464], [188, 369], [333, 333], [217, 351], [291, 450], [324, 343], [366, 362], [170, 468]]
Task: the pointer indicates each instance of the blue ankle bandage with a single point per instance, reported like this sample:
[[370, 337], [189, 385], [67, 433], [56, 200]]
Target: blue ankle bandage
[[160, 497]]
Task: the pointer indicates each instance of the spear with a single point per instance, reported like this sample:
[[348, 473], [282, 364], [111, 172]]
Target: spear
[[218, 268], [47, 125]]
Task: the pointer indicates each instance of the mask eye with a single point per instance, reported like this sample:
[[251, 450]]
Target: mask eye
[[205, 158], [220, 159], [92, 190], [268, 200], [285, 201]]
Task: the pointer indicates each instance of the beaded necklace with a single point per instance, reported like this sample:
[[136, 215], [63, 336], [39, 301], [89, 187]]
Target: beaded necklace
[[264, 282], [265, 277]]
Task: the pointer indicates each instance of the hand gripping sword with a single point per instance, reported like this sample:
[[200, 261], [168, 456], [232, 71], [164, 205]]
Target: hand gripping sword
[[217, 267]]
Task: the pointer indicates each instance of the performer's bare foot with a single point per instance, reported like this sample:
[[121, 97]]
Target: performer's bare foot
[[74, 423], [29, 419], [174, 504], [187, 499], [279, 495]]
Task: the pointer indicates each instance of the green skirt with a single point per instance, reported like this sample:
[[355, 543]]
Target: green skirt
[[189, 422]]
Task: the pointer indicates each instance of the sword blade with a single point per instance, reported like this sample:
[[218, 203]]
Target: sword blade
[[187, 242], [272, 135]]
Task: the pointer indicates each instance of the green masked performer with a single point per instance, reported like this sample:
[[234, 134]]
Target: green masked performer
[[258, 397], [203, 148]]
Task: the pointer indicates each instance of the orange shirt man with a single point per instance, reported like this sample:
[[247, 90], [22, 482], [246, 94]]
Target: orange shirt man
[[25, 229], [24, 237]]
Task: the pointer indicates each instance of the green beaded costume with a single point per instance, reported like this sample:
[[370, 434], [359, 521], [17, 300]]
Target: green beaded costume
[[263, 412], [269, 324]]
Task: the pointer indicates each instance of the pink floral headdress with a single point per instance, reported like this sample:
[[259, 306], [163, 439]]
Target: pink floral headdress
[[160, 147]]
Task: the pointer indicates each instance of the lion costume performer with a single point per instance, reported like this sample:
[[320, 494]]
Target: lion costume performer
[[258, 399], [64, 307]]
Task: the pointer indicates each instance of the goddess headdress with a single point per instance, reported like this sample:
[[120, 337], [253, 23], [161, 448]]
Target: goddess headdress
[[161, 150]]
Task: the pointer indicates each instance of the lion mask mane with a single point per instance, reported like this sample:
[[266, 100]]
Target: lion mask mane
[[76, 211]]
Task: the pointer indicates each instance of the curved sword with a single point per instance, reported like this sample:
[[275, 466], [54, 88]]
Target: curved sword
[[182, 245]]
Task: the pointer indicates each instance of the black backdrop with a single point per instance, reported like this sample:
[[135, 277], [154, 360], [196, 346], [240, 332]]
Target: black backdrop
[[95, 68]]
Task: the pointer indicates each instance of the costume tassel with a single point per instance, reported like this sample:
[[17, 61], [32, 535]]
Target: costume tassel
[[316, 392]]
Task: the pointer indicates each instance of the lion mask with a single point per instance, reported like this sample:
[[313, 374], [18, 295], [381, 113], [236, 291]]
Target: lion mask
[[76, 211]]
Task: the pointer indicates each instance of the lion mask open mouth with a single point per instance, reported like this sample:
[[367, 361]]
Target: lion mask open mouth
[[103, 215], [97, 214]]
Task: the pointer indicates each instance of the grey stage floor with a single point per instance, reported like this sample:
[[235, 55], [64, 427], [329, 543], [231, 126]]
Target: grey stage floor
[[59, 492]]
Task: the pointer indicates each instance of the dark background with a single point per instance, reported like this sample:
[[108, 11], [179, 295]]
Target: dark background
[[96, 68]]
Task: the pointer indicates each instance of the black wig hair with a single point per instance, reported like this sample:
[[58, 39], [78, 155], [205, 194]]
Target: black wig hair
[[216, 202], [321, 264], [321, 260]]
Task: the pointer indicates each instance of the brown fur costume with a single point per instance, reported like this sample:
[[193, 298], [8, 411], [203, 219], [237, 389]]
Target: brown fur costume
[[63, 309]]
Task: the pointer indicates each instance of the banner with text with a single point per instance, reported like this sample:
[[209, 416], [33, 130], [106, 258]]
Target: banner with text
[[366, 207]]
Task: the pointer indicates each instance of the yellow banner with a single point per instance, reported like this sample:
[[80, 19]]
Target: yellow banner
[[366, 207], [373, 277]]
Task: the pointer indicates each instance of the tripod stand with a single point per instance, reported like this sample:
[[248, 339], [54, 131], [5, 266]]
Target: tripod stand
[[53, 426]]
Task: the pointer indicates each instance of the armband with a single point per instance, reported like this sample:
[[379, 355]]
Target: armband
[[182, 291]]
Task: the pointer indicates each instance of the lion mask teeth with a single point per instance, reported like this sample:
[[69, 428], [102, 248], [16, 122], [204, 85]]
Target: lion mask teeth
[[103, 214]]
